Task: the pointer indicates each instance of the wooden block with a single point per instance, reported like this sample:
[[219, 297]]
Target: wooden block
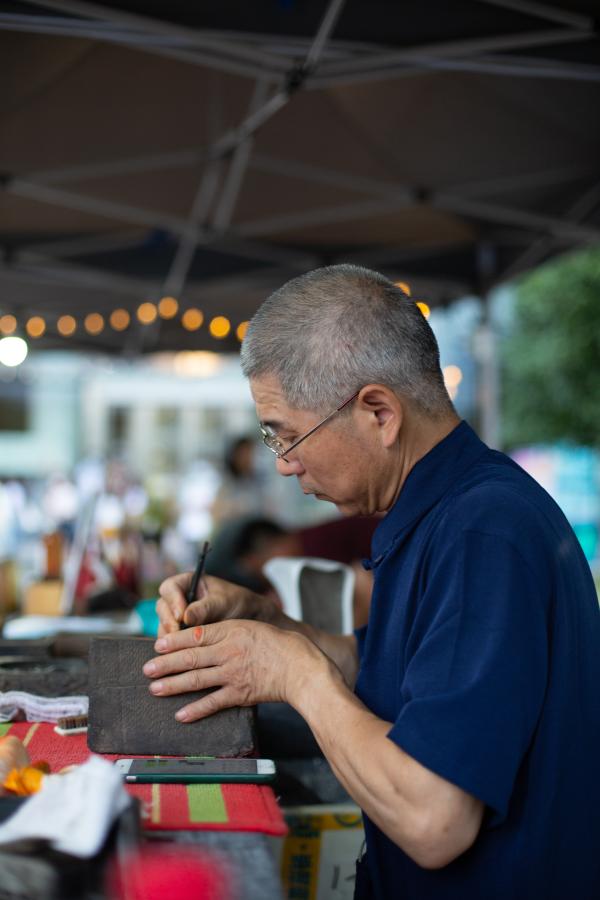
[[125, 718], [42, 598]]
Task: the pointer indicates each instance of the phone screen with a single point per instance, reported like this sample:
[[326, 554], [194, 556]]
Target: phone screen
[[194, 766]]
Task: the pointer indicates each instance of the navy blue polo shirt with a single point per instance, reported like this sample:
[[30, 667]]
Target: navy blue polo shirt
[[483, 650]]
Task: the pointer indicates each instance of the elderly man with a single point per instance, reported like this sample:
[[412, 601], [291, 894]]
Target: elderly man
[[464, 718]]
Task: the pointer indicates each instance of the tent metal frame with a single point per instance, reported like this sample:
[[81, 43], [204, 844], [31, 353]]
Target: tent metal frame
[[278, 76]]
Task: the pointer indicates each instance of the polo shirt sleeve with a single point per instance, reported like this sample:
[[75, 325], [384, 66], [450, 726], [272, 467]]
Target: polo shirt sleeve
[[475, 673]]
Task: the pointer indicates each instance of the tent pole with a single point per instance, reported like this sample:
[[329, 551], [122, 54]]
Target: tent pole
[[489, 212], [162, 29], [175, 279], [543, 11], [584, 206], [451, 50], [237, 168], [326, 215], [486, 352]]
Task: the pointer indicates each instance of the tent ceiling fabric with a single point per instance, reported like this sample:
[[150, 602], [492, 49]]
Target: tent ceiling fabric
[[212, 151]]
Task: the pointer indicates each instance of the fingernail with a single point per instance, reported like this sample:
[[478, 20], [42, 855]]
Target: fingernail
[[181, 715], [198, 633], [156, 687], [150, 668], [161, 644]]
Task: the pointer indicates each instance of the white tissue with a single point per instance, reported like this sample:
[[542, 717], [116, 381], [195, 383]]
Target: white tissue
[[74, 812], [40, 709]]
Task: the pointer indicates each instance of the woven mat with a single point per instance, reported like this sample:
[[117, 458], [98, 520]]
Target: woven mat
[[170, 807]]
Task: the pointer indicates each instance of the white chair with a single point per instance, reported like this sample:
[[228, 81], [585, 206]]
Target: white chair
[[317, 591]]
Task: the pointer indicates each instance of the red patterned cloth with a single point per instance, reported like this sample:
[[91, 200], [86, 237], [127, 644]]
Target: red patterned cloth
[[168, 807]]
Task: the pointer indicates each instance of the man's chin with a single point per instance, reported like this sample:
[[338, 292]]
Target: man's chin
[[345, 508]]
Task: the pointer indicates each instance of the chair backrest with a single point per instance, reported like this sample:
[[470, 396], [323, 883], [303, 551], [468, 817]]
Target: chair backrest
[[317, 591]]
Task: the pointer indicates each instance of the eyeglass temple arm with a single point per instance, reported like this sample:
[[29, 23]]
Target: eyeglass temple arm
[[318, 425]]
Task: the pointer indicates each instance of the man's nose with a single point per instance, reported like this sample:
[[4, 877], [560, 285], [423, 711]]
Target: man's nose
[[291, 465]]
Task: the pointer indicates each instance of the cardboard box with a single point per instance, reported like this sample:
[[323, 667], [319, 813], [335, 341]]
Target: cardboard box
[[318, 856]]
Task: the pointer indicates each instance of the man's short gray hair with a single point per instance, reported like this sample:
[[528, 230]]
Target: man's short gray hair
[[329, 332]]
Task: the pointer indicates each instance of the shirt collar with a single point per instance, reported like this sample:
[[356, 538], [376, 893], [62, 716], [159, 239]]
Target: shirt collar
[[432, 476]]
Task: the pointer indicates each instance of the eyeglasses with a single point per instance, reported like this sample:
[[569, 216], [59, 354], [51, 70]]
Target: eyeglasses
[[274, 444]]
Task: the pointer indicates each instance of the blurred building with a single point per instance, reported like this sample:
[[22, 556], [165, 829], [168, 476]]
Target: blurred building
[[155, 414]]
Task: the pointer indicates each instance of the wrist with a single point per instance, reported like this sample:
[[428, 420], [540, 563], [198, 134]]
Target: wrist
[[311, 675]]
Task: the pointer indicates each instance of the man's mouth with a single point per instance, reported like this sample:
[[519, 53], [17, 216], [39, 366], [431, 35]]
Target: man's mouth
[[314, 493], [310, 491]]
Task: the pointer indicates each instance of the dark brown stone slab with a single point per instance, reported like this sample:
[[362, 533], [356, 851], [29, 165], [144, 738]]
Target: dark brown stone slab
[[44, 676], [126, 718]]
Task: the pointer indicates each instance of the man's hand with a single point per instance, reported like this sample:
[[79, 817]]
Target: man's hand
[[248, 662], [216, 600]]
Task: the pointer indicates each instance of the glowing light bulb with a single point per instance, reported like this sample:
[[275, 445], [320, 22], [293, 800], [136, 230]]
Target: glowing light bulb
[[452, 376], [8, 324], [13, 351], [35, 326], [66, 326], [94, 323], [147, 313], [192, 319], [119, 319], [241, 330], [220, 327], [167, 308]]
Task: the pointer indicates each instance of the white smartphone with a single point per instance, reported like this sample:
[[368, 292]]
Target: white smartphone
[[196, 770]]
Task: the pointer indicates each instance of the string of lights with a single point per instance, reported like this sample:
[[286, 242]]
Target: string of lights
[[94, 323], [13, 347]]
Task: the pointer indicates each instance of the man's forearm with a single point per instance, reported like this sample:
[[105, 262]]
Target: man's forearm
[[429, 818]]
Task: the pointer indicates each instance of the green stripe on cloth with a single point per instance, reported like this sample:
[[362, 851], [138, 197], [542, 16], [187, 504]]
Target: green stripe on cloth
[[4, 727], [206, 803]]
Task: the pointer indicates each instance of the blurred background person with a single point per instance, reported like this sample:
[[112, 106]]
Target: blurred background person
[[242, 546], [244, 490]]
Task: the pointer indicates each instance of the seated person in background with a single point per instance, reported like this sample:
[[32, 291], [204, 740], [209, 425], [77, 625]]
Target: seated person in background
[[243, 490], [241, 547]]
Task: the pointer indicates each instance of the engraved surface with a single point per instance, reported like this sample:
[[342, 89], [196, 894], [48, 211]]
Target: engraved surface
[[126, 718]]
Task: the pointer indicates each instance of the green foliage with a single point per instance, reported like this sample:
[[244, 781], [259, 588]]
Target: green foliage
[[551, 360]]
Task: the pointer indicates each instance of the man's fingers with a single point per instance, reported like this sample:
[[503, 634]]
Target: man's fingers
[[182, 661], [210, 607], [167, 617], [194, 636], [198, 613], [186, 682], [172, 603], [224, 698]]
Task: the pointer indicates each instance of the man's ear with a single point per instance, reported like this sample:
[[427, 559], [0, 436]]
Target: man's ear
[[386, 409]]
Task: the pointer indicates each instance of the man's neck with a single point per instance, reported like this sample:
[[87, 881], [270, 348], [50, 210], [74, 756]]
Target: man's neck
[[418, 436]]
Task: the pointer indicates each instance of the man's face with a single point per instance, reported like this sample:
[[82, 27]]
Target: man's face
[[339, 462]]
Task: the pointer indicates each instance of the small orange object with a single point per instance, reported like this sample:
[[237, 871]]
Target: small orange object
[[27, 780]]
